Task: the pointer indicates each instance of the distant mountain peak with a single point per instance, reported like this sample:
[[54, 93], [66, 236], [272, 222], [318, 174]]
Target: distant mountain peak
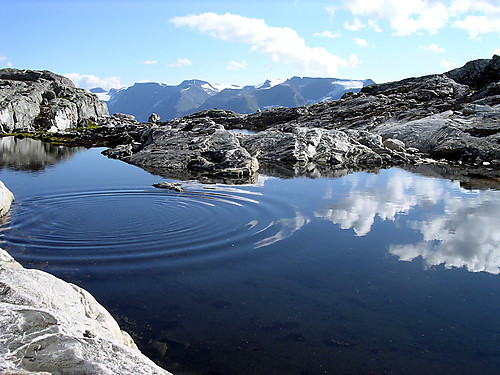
[[169, 101], [270, 83]]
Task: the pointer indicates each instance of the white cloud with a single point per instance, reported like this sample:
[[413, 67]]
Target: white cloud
[[477, 25], [286, 228], [355, 26], [150, 62], [330, 9], [361, 42], [462, 6], [180, 62], [89, 81], [411, 16], [448, 64], [486, 17], [458, 228], [234, 65], [3, 58], [354, 61], [281, 44], [406, 17], [327, 34], [433, 47], [9, 64], [496, 52], [374, 26]]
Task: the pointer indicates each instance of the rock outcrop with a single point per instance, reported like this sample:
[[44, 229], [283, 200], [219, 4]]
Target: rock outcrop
[[32, 100], [53, 327], [453, 117]]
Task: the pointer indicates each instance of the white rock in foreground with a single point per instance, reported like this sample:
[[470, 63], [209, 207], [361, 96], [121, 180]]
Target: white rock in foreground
[[49, 325], [6, 199]]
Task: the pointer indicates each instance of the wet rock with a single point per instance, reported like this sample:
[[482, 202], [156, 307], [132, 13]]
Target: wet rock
[[48, 325], [169, 186]]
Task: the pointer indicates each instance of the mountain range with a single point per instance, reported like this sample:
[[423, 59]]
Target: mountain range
[[170, 101]]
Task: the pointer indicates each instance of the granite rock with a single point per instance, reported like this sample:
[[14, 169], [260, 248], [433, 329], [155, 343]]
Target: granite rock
[[50, 326]]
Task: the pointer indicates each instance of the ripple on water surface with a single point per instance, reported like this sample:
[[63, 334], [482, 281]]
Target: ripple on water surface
[[143, 227]]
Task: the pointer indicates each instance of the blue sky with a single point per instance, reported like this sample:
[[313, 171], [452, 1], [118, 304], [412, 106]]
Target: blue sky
[[116, 43]]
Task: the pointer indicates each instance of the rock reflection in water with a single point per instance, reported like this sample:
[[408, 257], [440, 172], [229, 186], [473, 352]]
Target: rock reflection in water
[[31, 155], [459, 227]]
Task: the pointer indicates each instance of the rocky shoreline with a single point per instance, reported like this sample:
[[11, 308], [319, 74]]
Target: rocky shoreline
[[448, 119]]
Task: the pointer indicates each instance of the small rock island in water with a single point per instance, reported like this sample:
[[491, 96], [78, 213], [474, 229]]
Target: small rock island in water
[[444, 124]]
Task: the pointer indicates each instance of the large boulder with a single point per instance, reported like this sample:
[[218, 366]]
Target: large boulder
[[32, 100], [50, 326], [191, 150]]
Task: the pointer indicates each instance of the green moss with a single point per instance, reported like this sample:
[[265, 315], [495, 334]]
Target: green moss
[[90, 126], [41, 136], [17, 135]]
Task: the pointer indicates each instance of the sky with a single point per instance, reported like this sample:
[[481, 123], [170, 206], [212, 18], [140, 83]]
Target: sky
[[116, 43]]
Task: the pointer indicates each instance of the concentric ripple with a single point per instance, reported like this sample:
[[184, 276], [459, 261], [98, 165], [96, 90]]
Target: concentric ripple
[[139, 227]]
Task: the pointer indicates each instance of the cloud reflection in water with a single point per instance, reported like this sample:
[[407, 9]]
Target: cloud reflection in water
[[466, 235], [459, 228], [285, 227]]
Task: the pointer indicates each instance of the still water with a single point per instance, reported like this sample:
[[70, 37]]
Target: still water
[[388, 273]]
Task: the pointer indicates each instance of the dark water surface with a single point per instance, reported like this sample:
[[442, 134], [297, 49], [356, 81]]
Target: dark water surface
[[392, 273]]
